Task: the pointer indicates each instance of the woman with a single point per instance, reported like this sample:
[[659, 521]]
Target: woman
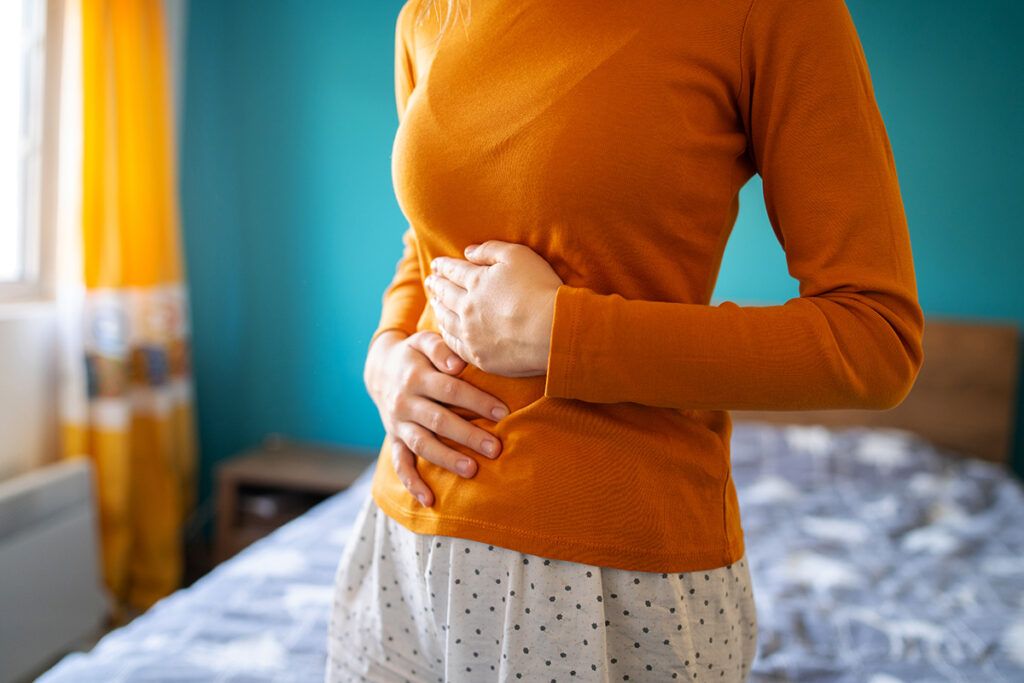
[[570, 171]]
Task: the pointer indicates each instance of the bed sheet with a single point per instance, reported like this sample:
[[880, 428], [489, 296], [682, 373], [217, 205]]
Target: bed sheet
[[879, 558], [260, 616], [875, 557]]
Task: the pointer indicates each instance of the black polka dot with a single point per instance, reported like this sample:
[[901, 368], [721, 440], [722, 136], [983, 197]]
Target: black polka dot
[[644, 618]]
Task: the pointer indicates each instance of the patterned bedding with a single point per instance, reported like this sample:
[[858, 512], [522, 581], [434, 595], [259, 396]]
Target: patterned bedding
[[875, 558]]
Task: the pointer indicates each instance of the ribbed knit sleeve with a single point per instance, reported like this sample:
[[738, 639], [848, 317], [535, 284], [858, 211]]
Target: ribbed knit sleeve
[[852, 339], [404, 298]]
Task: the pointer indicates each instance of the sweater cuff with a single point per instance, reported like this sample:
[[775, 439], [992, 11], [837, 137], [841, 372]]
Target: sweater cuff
[[563, 352]]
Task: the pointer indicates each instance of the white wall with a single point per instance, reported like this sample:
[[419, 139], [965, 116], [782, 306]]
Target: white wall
[[28, 388]]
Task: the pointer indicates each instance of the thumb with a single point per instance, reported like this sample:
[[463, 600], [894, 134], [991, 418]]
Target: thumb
[[491, 251]]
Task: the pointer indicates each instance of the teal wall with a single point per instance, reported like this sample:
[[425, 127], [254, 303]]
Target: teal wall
[[292, 230]]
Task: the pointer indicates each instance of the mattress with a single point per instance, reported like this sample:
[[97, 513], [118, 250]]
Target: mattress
[[875, 557]]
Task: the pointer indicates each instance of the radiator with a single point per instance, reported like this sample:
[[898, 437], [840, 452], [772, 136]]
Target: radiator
[[51, 596]]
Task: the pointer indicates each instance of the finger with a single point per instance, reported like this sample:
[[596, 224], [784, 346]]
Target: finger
[[456, 345], [443, 422], [444, 290], [446, 318], [404, 462], [490, 252], [456, 391], [426, 445], [432, 345], [459, 271]]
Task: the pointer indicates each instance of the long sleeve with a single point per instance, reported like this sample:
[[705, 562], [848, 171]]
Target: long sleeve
[[404, 299], [853, 337]]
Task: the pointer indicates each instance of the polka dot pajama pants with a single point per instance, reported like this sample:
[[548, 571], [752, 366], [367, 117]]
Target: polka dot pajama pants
[[413, 608]]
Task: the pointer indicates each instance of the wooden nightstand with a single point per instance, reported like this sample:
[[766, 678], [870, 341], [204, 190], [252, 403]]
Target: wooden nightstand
[[261, 489]]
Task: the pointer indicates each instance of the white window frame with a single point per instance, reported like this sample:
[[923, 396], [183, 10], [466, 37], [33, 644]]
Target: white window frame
[[37, 284]]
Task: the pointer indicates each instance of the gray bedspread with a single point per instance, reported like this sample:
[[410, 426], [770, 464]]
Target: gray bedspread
[[875, 558]]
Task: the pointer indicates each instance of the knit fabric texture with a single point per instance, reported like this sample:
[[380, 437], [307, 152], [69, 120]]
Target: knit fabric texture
[[613, 139]]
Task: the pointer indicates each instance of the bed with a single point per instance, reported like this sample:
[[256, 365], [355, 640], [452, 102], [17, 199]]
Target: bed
[[879, 553]]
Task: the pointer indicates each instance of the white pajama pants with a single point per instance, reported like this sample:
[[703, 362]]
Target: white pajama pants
[[438, 609]]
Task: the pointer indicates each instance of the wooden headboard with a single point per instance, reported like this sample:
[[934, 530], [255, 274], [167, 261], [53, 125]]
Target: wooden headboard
[[964, 400]]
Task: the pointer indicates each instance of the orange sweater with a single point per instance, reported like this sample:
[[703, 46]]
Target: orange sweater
[[613, 139]]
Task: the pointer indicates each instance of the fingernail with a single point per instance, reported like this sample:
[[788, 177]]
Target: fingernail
[[465, 466], [451, 363], [489, 446], [422, 498], [499, 412]]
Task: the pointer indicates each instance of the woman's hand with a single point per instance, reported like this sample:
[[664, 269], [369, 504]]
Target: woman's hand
[[496, 309], [406, 378]]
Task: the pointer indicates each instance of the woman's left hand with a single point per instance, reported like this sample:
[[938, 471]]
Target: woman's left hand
[[495, 309]]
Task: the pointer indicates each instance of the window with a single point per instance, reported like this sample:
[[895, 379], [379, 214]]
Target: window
[[22, 79]]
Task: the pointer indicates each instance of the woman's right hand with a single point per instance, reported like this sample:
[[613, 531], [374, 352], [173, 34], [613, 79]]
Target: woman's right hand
[[408, 378]]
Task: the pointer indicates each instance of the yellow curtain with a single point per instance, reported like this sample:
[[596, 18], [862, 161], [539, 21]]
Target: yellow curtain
[[130, 409]]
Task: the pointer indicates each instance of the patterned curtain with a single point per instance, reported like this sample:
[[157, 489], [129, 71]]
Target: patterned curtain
[[126, 388]]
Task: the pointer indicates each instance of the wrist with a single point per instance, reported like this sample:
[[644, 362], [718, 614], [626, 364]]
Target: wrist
[[387, 338], [379, 347]]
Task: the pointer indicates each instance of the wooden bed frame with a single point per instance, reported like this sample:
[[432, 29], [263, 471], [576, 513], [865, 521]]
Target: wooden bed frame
[[964, 399]]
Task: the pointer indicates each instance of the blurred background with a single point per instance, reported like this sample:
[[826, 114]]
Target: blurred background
[[292, 230], [258, 134]]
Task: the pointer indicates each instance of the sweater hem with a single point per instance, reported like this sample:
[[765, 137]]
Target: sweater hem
[[559, 548]]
